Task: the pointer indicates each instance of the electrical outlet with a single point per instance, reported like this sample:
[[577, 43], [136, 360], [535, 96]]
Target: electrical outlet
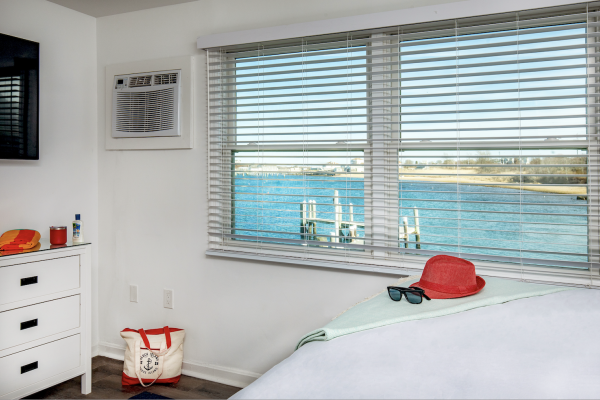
[[168, 298], [133, 293]]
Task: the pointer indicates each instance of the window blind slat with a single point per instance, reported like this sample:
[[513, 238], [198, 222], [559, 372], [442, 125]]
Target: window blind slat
[[371, 74], [351, 60], [349, 116], [438, 103], [408, 96], [412, 87], [395, 106], [249, 57]]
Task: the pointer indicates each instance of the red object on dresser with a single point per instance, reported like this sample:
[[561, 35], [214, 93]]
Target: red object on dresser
[[58, 234]]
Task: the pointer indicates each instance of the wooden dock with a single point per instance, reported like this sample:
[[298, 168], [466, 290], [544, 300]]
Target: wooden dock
[[309, 221]]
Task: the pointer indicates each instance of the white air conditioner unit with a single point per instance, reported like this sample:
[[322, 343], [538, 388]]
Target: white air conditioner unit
[[146, 105]]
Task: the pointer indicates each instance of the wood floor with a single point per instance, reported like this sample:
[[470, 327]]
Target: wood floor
[[106, 384]]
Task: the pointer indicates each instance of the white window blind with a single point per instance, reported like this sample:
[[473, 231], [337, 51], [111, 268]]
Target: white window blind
[[472, 137]]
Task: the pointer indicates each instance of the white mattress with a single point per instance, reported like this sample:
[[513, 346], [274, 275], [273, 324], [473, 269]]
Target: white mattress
[[539, 347]]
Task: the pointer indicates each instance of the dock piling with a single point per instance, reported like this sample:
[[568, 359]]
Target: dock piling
[[309, 220], [417, 227], [303, 220], [406, 237], [338, 216]]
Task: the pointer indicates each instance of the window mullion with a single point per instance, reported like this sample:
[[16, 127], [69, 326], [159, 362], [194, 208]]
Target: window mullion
[[381, 185]]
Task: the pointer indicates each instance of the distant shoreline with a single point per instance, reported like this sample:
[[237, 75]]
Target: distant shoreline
[[576, 191], [530, 187]]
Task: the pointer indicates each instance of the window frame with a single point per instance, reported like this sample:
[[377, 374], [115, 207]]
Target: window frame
[[395, 262]]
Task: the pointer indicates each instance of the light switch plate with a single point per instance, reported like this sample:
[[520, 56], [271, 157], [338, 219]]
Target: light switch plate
[[133, 293], [168, 298]]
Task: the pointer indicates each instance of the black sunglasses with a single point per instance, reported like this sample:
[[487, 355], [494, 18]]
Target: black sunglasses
[[414, 295]]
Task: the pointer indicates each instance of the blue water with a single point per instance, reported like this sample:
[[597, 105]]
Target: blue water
[[447, 225]]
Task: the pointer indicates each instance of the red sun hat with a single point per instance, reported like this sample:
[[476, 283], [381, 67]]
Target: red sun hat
[[447, 277]]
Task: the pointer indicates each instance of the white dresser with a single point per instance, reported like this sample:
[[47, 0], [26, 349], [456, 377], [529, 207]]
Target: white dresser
[[45, 319]]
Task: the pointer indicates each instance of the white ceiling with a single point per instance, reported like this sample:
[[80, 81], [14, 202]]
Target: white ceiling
[[102, 8]]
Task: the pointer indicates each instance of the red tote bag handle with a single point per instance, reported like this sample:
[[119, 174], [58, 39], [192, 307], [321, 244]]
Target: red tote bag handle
[[147, 342]]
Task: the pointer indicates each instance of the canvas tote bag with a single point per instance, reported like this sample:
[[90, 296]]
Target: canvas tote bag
[[152, 356]]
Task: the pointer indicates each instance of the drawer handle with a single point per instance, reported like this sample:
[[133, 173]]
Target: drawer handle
[[29, 281], [29, 367], [29, 324]]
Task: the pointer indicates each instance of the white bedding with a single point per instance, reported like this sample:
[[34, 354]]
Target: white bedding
[[539, 347]]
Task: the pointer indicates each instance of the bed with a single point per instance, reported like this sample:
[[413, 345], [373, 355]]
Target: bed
[[537, 347]]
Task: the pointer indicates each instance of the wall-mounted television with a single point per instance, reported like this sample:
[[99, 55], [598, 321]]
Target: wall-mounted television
[[19, 105]]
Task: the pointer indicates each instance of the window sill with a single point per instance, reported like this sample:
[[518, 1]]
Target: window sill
[[414, 265]]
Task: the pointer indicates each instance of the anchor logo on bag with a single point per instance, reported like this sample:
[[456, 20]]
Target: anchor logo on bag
[[148, 363]]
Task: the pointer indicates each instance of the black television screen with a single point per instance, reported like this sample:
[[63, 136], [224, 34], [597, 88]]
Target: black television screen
[[19, 87]]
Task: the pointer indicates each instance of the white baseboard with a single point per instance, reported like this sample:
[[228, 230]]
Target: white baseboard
[[225, 375], [215, 373], [111, 351], [95, 350]]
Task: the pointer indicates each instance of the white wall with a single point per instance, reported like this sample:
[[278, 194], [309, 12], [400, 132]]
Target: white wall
[[245, 316], [39, 194]]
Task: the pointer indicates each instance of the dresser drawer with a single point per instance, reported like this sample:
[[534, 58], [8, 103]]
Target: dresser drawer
[[29, 323], [25, 281], [30, 366]]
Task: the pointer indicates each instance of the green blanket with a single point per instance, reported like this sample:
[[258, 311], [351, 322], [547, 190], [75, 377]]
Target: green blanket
[[381, 310]]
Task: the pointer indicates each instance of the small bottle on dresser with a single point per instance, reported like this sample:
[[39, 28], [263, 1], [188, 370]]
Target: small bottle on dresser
[[78, 229]]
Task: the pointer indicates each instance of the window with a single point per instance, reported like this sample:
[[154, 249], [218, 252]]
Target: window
[[473, 137]]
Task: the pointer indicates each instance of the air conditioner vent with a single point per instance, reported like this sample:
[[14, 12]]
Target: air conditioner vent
[[142, 112], [165, 79], [146, 104], [140, 81]]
